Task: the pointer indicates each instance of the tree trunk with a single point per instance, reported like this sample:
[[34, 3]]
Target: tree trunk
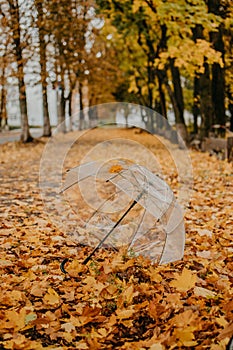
[[160, 108], [3, 110], [218, 94], [202, 90], [196, 109], [178, 102], [206, 106], [3, 114], [231, 120], [69, 99], [218, 76], [81, 113], [46, 120], [150, 80], [61, 109], [178, 93], [25, 133], [230, 105], [15, 17], [162, 100]]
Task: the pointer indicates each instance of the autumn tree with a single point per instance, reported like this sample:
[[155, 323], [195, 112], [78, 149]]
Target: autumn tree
[[69, 40], [181, 40], [13, 11], [104, 75], [4, 53], [218, 75], [227, 31], [41, 24], [5, 62], [138, 22]]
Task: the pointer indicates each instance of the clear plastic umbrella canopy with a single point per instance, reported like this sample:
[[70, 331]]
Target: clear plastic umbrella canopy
[[124, 204]]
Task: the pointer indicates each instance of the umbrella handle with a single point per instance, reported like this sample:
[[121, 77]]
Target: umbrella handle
[[108, 234]]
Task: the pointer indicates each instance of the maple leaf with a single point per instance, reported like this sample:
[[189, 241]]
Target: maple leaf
[[75, 268], [68, 327], [186, 336], [185, 318], [52, 298], [128, 294], [184, 281], [116, 168]]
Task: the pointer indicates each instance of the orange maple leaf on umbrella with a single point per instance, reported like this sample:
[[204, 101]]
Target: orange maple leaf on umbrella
[[115, 168]]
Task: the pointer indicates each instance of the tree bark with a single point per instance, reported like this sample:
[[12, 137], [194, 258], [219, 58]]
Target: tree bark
[[61, 109], [231, 119], [81, 113], [218, 76], [196, 108], [162, 100], [206, 106], [46, 121], [25, 133], [218, 81], [15, 18], [3, 112], [178, 102], [202, 91]]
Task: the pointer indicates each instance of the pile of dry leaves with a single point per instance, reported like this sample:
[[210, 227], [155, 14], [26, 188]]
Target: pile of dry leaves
[[117, 301]]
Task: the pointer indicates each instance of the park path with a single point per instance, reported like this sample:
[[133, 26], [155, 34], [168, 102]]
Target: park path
[[14, 135]]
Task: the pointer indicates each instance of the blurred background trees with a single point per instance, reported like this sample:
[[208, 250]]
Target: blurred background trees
[[173, 57]]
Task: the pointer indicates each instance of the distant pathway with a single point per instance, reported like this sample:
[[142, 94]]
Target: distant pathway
[[14, 135]]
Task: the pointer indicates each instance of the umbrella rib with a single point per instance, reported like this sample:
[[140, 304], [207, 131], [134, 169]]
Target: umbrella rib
[[139, 224], [113, 177], [125, 178], [101, 206], [84, 178], [112, 229]]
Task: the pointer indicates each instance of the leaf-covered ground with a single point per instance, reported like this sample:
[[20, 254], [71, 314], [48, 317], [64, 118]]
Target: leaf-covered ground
[[116, 301]]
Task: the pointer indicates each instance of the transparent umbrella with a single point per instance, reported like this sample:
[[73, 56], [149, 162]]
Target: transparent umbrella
[[137, 210]]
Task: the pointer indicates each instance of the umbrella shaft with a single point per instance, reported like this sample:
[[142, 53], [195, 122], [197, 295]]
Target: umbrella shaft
[[108, 234]]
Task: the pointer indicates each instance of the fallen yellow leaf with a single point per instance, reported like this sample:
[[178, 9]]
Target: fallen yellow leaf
[[186, 336], [52, 298], [184, 281]]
